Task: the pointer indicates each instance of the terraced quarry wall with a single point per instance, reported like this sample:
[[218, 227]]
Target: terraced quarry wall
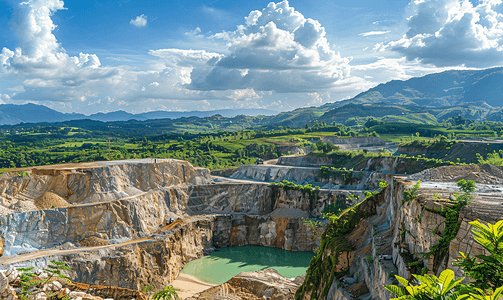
[[349, 180], [390, 233], [110, 221], [391, 164], [112, 229]]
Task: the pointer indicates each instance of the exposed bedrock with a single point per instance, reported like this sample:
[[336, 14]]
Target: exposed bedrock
[[361, 180], [93, 182], [159, 259], [354, 142], [398, 231], [142, 215], [264, 284], [260, 198], [391, 164], [126, 242]]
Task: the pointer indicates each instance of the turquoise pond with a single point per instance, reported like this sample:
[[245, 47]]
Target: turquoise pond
[[225, 263]]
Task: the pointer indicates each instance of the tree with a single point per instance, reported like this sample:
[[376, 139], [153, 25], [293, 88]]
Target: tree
[[320, 145]]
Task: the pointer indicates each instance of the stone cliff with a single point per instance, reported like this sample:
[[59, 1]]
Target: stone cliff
[[360, 162], [110, 220], [112, 229], [356, 181], [388, 234]]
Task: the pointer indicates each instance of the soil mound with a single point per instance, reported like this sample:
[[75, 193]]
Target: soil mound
[[50, 200], [93, 241], [485, 174]]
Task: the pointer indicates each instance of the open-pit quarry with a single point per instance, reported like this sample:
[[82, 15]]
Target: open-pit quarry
[[111, 223]]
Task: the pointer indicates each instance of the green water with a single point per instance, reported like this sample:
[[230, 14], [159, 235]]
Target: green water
[[222, 265]]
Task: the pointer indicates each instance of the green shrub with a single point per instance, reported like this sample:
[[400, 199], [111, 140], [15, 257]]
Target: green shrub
[[487, 273], [31, 284], [410, 194], [169, 293]]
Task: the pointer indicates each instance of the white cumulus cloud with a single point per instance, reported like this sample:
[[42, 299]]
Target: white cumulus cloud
[[279, 49], [454, 32], [140, 21], [39, 58]]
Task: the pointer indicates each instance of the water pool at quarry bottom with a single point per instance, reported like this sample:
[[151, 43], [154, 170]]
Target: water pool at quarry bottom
[[225, 263]]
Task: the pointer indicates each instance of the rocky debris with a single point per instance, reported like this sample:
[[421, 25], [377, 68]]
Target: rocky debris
[[265, 284], [10, 287], [93, 241], [130, 242], [50, 200]]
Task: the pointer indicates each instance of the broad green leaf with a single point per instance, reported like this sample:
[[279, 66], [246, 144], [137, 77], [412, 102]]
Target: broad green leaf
[[445, 279], [402, 280], [397, 290]]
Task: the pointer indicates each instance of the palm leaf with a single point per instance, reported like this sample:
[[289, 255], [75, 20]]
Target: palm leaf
[[402, 280], [452, 285], [445, 279], [425, 279], [497, 293], [396, 290], [490, 237]]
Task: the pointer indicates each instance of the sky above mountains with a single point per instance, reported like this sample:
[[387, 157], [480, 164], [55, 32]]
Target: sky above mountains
[[137, 56]]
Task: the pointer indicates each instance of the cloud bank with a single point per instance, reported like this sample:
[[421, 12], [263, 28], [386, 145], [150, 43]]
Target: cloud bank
[[275, 50], [454, 32]]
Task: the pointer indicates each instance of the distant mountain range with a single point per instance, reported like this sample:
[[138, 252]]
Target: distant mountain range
[[449, 88], [474, 94], [11, 114]]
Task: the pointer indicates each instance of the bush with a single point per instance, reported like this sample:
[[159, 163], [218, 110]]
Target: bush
[[169, 293], [410, 194], [32, 285], [487, 272]]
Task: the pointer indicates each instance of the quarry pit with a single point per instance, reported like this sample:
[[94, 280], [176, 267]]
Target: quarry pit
[[111, 222]]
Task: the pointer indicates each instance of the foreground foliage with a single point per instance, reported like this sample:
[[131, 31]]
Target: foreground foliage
[[487, 273]]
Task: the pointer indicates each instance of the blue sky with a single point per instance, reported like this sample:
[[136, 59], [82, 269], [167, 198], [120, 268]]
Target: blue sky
[[91, 56]]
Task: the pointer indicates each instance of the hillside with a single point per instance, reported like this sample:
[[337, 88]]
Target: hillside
[[11, 114], [449, 88]]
